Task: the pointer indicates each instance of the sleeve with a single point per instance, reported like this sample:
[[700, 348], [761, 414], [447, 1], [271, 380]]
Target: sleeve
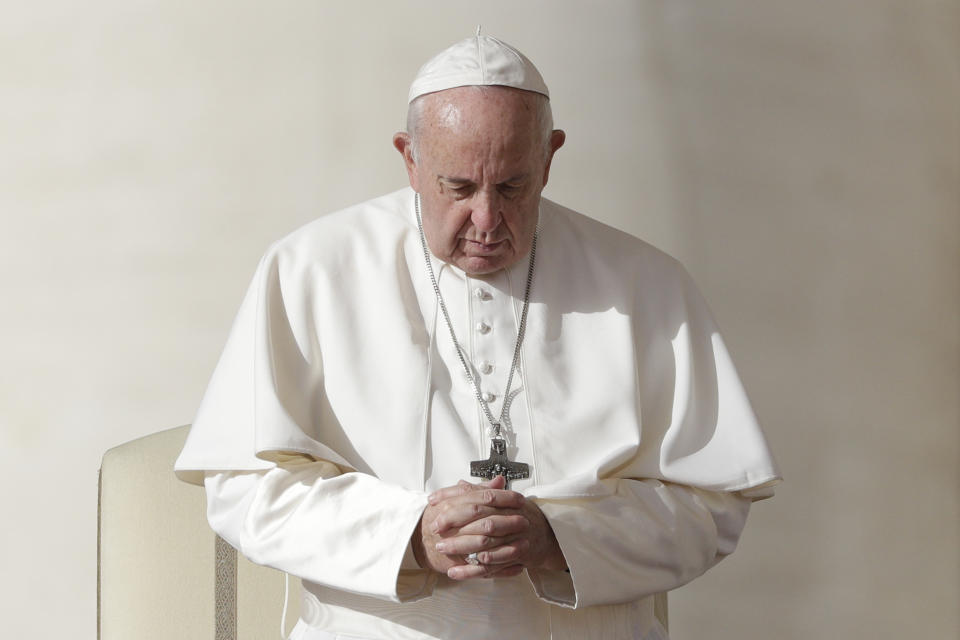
[[346, 531], [679, 505], [281, 488], [644, 537]]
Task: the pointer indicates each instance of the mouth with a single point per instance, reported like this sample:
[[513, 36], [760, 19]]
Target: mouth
[[483, 247]]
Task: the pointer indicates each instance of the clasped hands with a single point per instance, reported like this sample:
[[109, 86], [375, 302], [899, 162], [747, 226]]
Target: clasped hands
[[506, 531]]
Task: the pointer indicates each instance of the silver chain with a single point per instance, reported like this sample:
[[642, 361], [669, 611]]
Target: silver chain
[[504, 418]]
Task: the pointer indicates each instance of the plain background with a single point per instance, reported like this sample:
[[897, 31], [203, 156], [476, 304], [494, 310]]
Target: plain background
[[802, 158]]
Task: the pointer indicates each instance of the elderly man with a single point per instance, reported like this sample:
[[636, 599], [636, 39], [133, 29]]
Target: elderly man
[[468, 328]]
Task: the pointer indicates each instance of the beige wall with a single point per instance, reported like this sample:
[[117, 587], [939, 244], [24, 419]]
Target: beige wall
[[801, 158]]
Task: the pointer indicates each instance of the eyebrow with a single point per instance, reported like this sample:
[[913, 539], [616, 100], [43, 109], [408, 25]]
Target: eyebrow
[[456, 180]]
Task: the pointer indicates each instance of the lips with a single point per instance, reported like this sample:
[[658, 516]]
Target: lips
[[483, 248]]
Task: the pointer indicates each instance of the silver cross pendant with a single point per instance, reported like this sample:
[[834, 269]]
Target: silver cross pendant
[[498, 464]]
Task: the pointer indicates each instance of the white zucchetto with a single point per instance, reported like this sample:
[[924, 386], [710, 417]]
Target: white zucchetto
[[480, 60]]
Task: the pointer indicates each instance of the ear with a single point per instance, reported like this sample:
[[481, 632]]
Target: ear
[[404, 144], [557, 138]]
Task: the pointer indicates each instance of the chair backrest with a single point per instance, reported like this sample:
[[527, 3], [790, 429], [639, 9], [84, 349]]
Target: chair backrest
[[161, 571]]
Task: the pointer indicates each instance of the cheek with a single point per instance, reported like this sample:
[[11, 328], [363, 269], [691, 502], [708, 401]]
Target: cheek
[[451, 222], [524, 221], [442, 232]]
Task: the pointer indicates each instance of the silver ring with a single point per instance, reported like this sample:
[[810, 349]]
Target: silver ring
[[472, 559]]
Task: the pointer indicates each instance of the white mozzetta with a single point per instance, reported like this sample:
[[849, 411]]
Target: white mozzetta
[[339, 403]]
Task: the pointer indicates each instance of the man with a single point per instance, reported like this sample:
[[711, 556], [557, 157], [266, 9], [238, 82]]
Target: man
[[466, 325]]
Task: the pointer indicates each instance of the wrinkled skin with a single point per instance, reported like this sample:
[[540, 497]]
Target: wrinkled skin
[[482, 166], [508, 532]]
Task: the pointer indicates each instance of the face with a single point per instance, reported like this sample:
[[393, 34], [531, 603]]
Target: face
[[481, 167]]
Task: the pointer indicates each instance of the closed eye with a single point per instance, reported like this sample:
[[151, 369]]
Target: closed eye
[[463, 191], [459, 189], [509, 188]]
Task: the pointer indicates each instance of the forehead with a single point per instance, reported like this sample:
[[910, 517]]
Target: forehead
[[480, 130], [486, 112]]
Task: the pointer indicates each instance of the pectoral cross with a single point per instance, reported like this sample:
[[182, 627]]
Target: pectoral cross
[[498, 464]]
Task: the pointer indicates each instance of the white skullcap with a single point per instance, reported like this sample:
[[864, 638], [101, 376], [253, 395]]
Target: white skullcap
[[480, 60]]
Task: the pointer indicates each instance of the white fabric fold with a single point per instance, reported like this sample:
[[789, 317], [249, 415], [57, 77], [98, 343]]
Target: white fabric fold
[[280, 518], [626, 374], [643, 538], [319, 440]]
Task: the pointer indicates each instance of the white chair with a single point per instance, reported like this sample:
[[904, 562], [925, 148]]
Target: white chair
[[161, 572]]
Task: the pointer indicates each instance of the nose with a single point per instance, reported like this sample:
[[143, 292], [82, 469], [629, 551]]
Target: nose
[[486, 215]]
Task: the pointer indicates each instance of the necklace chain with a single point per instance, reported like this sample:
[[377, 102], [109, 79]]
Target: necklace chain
[[504, 413]]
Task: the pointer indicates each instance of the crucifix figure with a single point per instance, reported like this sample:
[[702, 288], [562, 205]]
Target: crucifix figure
[[498, 464]]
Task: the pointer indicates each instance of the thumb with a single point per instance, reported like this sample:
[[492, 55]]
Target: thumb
[[498, 482]]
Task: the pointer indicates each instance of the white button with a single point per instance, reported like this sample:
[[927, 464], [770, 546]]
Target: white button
[[483, 327], [488, 397], [482, 294], [486, 368]]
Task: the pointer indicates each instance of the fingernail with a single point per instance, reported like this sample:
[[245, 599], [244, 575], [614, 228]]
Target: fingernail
[[441, 547]]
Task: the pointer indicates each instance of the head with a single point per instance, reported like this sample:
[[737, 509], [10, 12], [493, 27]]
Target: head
[[479, 156]]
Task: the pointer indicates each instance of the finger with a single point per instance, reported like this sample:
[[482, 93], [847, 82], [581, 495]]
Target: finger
[[455, 516], [446, 493], [453, 491], [462, 487], [500, 498], [462, 510], [458, 489], [489, 550], [510, 553], [497, 482], [471, 571], [462, 545], [496, 525]]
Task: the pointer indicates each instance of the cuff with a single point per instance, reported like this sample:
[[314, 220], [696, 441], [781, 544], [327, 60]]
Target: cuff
[[761, 492], [555, 587], [413, 582], [409, 562], [415, 585]]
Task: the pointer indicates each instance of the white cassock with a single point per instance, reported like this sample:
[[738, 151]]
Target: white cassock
[[339, 404]]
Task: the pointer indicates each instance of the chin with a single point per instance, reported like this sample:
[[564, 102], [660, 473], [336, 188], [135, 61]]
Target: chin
[[481, 265]]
